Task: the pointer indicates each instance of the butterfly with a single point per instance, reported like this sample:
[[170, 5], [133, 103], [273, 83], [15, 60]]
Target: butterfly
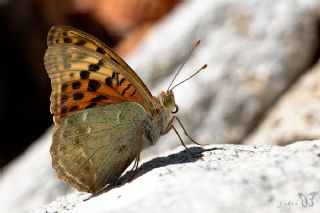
[[104, 114], [307, 199]]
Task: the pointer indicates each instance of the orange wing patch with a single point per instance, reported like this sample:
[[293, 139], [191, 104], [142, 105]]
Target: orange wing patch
[[84, 94]]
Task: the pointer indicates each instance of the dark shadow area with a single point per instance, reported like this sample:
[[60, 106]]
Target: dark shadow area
[[177, 158]]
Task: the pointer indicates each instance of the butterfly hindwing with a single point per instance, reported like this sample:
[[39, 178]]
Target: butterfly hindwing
[[84, 143]]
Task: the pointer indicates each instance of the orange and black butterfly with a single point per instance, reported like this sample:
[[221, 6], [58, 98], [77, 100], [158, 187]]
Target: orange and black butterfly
[[104, 114]]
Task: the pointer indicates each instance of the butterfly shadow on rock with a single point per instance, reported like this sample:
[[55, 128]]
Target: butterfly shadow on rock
[[158, 162]]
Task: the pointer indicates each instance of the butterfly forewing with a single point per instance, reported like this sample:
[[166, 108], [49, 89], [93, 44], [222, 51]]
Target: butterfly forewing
[[81, 79], [81, 66]]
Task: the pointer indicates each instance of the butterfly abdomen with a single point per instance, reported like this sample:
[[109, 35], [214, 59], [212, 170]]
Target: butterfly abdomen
[[151, 132]]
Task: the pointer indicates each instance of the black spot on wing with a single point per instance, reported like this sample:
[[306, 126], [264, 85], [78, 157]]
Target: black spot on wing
[[78, 96], [108, 81], [93, 67], [93, 85], [134, 92], [81, 42], [73, 108], [91, 105], [124, 91], [100, 50], [84, 74], [76, 85], [122, 81], [115, 76], [99, 98], [64, 87], [67, 40]]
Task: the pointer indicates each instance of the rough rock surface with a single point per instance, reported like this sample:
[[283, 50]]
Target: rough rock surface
[[296, 116], [230, 178]]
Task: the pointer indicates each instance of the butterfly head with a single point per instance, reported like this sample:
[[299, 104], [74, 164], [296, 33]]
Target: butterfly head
[[168, 101]]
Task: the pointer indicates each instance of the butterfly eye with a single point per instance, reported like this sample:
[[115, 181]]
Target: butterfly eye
[[176, 109]]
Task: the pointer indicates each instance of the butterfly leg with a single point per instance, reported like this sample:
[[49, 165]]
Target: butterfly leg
[[135, 167], [133, 170], [185, 131], [184, 145], [136, 162]]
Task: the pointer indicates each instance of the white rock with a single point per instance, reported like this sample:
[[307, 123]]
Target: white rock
[[231, 178], [296, 115]]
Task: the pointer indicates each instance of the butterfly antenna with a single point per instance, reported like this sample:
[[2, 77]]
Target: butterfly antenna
[[203, 67], [187, 58]]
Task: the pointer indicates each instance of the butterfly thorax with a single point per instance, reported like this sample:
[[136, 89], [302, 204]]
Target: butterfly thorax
[[159, 123], [169, 107]]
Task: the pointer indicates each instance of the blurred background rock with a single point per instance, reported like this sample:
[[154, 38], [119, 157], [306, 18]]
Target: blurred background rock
[[257, 88]]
